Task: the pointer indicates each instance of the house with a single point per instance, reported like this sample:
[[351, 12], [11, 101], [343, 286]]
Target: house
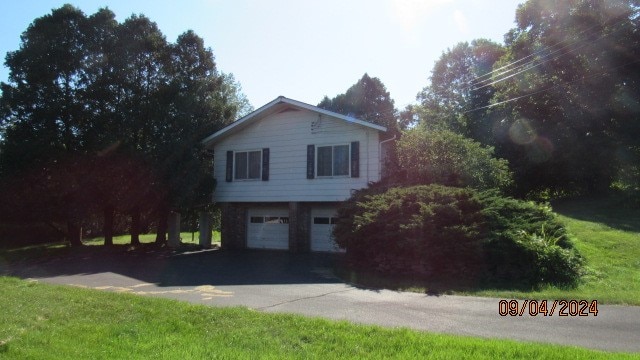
[[282, 170]]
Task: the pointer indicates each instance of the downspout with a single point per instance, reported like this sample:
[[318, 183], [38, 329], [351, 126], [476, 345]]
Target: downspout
[[380, 155], [368, 157]]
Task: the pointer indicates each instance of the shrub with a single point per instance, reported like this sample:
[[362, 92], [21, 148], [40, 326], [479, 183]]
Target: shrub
[[427, 231], [526, 244], [441, 233], [447, 158]]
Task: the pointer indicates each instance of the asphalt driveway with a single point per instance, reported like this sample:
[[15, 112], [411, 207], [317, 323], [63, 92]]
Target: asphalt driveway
[[304, 284]]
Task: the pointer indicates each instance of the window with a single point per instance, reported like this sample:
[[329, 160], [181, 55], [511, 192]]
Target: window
[[333, 160], [276, 220], [269, 219], [325, 220], [248, 165]]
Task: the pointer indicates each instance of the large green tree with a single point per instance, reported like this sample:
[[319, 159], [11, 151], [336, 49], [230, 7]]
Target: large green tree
[[558, 99], [368, 99], [43, 116], [121, 106], [460, 83], [567, 92]]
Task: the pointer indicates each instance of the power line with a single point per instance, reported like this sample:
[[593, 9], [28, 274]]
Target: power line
[[547, 60], [476, 81], [551, 87]]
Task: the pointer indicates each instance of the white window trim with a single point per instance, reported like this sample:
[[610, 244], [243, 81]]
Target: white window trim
[[348, 145], [234, 165]]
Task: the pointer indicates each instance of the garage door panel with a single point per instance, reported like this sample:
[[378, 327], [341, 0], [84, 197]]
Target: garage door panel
[[322, 223], [268, 229]]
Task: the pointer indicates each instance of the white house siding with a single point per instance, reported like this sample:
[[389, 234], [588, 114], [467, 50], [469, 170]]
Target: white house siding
[[287, 135]]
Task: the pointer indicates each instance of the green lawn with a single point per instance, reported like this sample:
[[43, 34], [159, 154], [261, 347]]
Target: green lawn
[[187, 238], [42, 321], [121, 243], [608, 236]]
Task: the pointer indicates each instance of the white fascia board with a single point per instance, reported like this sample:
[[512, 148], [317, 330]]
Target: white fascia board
[[333, 114], [281, 99], [233, 125]]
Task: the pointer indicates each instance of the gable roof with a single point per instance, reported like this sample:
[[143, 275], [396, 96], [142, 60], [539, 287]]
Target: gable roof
[[274, 106]]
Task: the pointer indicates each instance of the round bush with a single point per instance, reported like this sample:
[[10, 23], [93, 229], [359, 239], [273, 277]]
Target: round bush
[[429, 231], [443, 233], [526, 244]]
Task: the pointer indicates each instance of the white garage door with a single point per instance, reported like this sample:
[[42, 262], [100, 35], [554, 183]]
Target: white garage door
[[268, 229], [322, 222]]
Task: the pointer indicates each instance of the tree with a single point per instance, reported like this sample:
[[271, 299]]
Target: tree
[[369, 100], [201, 101], [43, 115], [458, 86], [446, 158], [233, 95], [120, 105], [565, 94]]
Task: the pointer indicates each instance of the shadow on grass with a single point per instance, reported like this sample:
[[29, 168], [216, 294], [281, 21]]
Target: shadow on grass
[[614, 211]]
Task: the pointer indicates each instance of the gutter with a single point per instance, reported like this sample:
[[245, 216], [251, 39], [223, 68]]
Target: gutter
[[380, 154]]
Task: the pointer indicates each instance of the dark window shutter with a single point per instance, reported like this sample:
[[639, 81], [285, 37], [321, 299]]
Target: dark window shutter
[[229, 175], [311, 154], [355, 159], [265, 164]]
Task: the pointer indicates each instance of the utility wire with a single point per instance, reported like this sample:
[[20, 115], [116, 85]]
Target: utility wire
[[586, 42], [551, 87], [478, 80]]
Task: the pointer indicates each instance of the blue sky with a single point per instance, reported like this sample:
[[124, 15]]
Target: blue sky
[[304, 49]]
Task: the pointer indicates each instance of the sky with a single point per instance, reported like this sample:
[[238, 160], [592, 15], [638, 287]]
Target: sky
[[303, 49]]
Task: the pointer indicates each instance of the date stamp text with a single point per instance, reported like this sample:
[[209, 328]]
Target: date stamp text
[[548, 307]]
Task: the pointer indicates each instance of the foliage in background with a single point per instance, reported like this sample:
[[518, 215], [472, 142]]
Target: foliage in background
[[368, 100], [559, 100], [570, 120], [106, 117], [444, 157], [455, 90], [442, 234]]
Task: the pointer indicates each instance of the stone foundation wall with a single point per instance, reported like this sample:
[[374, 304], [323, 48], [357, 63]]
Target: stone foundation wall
[[299, 227], [233, 227]]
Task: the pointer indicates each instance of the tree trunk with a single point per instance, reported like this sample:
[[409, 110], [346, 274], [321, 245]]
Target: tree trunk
[[161, 230], [74, 234], [109, 214], [135, 226]]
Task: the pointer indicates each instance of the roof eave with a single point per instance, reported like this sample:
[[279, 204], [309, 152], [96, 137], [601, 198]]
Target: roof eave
[[211, 139]]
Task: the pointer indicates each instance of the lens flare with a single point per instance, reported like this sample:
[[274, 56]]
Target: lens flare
[[522, 133], [540, 150]]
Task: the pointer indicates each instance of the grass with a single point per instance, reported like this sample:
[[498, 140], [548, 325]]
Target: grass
[[55, 322], [187, 238], [607, 234], [121, 243]]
